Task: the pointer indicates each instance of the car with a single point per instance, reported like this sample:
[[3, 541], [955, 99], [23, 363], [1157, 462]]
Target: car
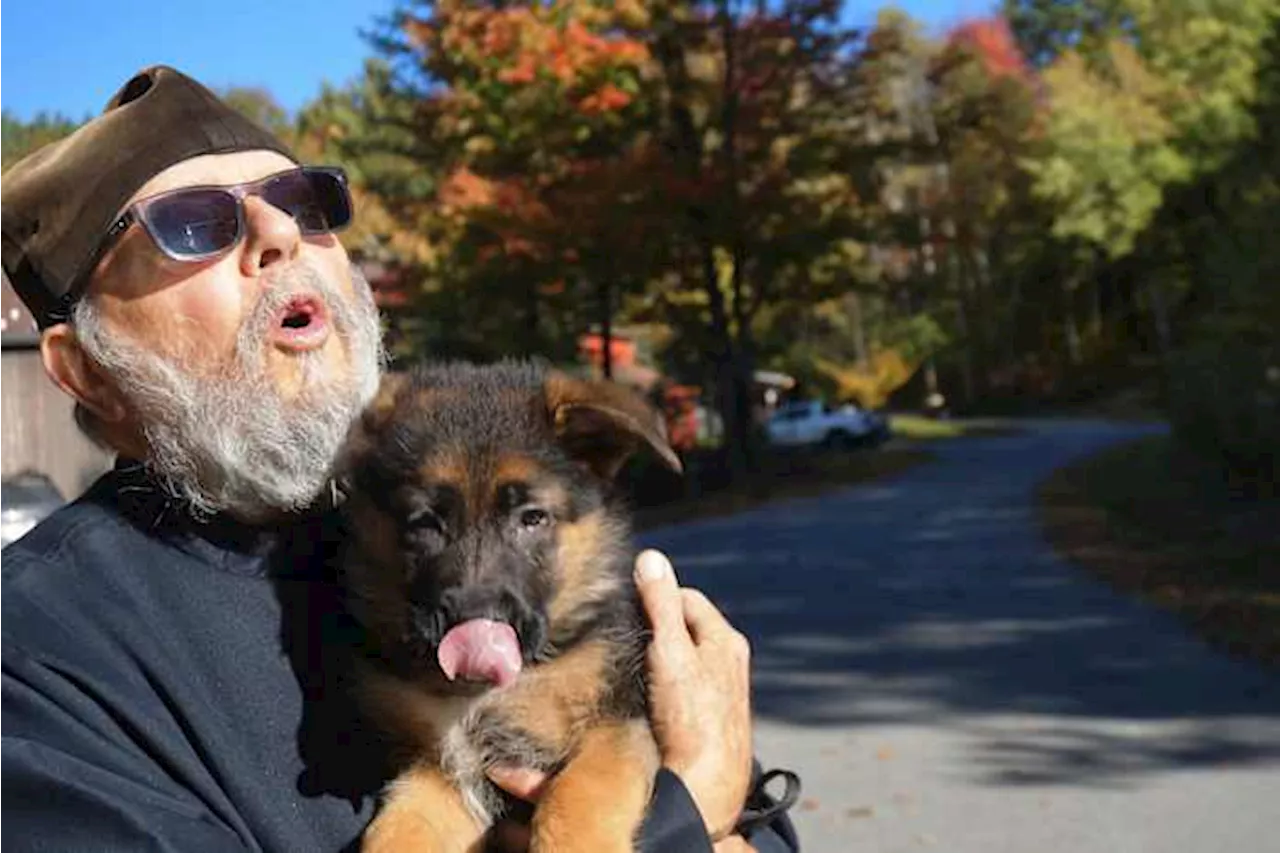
[[815, 423], [25, 499]]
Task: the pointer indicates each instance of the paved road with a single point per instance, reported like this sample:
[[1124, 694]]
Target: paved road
[[942, 681]]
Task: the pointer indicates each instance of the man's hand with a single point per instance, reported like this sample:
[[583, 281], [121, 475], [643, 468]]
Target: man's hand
[[699, 693]]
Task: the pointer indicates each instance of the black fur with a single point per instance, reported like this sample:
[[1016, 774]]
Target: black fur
[[462, 564]]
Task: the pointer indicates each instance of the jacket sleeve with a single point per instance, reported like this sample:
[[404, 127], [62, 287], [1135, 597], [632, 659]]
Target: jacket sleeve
[[674, 825], [67, 788]]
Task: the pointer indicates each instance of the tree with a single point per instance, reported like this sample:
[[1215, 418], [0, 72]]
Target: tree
[[1108, 157], [986, 112], [688, 157], [260, 107], [21, 138], [1046, 29]]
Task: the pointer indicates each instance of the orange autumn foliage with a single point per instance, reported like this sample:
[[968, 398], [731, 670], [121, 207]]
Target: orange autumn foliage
[[993, 42], [519, 45]]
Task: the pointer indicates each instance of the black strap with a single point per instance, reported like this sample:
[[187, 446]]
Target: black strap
[[761, 808]]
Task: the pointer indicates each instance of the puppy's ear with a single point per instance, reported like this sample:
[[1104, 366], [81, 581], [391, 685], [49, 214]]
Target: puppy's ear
[[362, 436], [602, 424], [379, 411]]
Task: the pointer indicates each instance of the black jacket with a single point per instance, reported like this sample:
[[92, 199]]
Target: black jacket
[[174, 686]]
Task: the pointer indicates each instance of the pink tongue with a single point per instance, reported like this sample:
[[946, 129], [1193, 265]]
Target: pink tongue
[[480, 650]]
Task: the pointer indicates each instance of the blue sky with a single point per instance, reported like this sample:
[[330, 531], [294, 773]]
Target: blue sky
[[70, 56]]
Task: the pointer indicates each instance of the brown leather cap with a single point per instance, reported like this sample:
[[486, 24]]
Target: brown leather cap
[[59, 202]]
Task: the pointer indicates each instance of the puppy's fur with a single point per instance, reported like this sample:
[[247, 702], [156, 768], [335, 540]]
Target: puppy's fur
[[484, 492]]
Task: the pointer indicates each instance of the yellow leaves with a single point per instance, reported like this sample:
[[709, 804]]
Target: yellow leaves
[[632, 13], [869, 384]]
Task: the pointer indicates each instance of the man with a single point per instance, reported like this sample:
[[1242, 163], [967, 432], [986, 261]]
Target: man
[[173, 640]]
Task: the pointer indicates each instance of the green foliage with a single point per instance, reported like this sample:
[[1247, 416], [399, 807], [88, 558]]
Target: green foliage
[[1225, 379], [1107, 154], [261, 107], [1046, 29], [20, 138]]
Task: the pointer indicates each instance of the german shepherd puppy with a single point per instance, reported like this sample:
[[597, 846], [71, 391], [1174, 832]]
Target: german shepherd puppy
[[490, 565]]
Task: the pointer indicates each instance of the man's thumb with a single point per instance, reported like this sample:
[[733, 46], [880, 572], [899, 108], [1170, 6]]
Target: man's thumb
[[660, 595]]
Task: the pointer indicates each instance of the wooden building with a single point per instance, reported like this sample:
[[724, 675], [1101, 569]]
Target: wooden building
[[39, 432]]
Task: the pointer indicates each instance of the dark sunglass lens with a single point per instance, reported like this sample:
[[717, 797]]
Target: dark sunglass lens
[[196, 222], [318, 200]]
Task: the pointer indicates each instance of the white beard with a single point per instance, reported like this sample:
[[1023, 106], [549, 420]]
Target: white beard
[[225, 440]]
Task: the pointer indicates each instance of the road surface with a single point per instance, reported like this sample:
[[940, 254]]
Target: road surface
[[942, 681]]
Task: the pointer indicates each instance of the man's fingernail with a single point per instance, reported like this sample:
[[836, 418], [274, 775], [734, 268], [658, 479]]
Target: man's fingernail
[[652, 565]]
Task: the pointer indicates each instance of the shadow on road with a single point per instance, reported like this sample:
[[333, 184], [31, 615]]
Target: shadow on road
[[932, 599]]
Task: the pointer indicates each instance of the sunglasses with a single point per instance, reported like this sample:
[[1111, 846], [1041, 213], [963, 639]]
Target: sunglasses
[[200, 223]]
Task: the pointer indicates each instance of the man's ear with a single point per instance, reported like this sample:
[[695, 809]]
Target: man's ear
[[602, 424], [72, 370]]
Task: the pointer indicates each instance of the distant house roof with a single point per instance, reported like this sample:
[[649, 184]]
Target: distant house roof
[[18, 329]]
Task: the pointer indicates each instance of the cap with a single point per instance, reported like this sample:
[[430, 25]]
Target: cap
[[59, 202]]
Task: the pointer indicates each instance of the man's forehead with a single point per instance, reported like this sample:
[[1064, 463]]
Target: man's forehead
[[216, 169]]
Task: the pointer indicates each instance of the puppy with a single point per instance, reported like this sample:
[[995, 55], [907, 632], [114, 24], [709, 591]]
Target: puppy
[[490, 565]]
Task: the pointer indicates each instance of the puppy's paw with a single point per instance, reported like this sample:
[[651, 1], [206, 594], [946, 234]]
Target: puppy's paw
[[423, 813]]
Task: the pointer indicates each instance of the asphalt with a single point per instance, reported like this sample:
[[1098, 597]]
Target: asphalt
[[941, 680]]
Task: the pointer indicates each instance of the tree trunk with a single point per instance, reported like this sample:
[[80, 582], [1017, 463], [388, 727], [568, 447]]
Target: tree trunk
[[986, 320], [1097, 321], [965, 325], [854, 306], [727, 367], [531, 319], [1160, 319], [688, 150], [606, 327], [742, 452], [1071, 331]]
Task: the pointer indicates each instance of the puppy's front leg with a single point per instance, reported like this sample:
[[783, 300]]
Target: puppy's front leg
[[422, 812], [596, 803]]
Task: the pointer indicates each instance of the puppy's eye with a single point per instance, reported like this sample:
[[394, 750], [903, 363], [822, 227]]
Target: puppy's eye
[[532, 518]]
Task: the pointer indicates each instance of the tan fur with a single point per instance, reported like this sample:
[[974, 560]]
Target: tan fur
[[570, 400], [559, 710], [423, 811], [406, 707], [446, 470], [613, 761], [553, 702], [384, 403], [582, 547], [512, 468]]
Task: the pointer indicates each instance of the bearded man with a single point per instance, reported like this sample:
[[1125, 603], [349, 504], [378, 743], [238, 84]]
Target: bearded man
[[172, 660]]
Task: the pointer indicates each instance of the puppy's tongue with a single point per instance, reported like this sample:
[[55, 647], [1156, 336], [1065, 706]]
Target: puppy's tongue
[[480, 650]]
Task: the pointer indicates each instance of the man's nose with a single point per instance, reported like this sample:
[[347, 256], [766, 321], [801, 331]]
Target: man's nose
[[271, 237]]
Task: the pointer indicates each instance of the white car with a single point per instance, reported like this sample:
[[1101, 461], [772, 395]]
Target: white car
[[812, 422], [25, 499]]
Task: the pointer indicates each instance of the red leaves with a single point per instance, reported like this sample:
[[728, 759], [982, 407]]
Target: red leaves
[[993, 43], [607, 99], [529, 40]]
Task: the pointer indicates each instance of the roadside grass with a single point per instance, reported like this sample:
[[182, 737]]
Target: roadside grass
[[1152, 523], [920, 428]]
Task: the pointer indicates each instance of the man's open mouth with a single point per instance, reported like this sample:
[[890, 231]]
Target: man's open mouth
[[301, 324]]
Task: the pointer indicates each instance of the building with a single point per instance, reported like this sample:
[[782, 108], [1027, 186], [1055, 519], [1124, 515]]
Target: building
[[39, 434]]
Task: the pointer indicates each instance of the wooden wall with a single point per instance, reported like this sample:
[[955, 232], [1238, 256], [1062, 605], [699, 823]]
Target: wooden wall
[[38, 430]]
